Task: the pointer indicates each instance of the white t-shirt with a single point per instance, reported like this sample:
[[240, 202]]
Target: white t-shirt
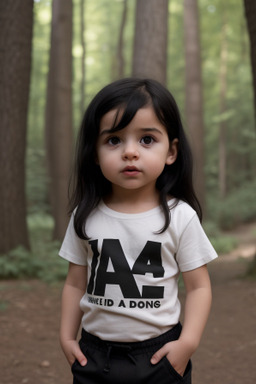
[[132, 287]]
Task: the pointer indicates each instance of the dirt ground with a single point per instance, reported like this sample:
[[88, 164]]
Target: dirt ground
[[30, 311]]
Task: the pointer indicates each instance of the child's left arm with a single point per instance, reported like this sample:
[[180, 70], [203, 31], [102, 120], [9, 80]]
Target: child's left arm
[[196, 312]]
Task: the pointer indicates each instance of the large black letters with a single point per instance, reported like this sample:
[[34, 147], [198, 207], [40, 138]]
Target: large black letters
[[96, 254], [149, 261], [122, 276]]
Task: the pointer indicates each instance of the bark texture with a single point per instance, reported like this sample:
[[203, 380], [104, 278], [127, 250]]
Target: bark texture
[[250, 13], [58, 128], [150, 42], [16, 22]]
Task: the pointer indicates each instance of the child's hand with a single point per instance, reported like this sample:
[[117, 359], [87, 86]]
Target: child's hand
[[177, 353], [73, 352]]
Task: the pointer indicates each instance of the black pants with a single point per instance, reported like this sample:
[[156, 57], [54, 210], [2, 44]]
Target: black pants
[[127, 363]]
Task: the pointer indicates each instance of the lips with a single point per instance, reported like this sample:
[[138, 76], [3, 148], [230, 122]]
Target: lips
[[131, 171]]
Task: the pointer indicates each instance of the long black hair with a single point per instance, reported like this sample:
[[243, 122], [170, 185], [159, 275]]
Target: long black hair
[[89, 184]]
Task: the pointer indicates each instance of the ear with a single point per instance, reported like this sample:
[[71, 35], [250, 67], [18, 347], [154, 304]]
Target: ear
[[173, 152]]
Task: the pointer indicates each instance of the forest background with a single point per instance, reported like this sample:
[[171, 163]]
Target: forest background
[[104, 40]]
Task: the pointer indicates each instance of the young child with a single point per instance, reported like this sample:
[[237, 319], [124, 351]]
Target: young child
[[135, 225]]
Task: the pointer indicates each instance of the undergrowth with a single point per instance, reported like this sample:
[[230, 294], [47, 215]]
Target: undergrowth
[[251, 271], [221, 242], [41, 261]]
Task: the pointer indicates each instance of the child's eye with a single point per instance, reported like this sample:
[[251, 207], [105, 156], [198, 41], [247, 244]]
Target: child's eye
[[114, 140], [147, 140]]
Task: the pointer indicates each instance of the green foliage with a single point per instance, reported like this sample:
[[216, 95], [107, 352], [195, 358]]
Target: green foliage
[[40, 60], [222, 243], [42, 261], [102, 25], [176, 67], [36, 174], [238, 116], [37, 181], [251, 272], [238, 207], [3, 305], [18, 263]]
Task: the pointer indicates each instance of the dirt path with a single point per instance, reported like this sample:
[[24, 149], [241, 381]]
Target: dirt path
[[29, 316], [227, 353]]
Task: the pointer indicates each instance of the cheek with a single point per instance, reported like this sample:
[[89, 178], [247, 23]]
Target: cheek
[[156, 165], [157, 169], [101, 157], [157, 160], [107, 163]]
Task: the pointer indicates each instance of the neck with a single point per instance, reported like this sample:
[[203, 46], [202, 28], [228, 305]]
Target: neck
[[130, 201]]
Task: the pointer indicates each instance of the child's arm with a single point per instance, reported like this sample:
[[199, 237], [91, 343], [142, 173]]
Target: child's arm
[[196, 312], [71, 314]]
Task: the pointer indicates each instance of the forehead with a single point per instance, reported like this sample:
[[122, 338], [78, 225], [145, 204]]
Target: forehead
[[111, 118], [144, 118]]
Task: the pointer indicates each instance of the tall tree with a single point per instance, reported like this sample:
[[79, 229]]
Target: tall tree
[[150, 40], [250, 13], [194, 93], [58, 126], [16, 22]]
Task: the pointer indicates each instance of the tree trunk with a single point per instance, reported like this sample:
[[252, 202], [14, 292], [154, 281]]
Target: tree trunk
[[150, 41], [250, 13], [194, 94], [16, 22], [58, 127]]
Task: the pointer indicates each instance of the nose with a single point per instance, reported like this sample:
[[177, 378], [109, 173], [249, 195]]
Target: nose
[[130, 152]]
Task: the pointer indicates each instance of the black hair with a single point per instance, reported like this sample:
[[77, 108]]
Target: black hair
[[89, 184]]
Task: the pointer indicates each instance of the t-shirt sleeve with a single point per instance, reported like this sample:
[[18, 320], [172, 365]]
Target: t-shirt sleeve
[[195, 249], [73, 248]]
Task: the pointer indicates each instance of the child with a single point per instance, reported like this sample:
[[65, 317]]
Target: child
[[135, 226]]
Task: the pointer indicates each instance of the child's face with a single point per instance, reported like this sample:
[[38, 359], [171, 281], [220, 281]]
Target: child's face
[[135, 156]]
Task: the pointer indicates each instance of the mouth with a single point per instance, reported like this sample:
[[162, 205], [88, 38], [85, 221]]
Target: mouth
[[131, 171]]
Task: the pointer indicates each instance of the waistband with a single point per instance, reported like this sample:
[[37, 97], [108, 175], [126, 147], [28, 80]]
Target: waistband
[[149, 345]]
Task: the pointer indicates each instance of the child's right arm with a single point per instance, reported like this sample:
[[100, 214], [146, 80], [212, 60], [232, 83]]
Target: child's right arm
[[71, 314]]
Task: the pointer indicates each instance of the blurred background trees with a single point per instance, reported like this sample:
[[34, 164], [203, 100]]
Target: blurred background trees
[[58, 116], [204, 51], [194, 109], [250, 12], [150, 40], [16, 22]]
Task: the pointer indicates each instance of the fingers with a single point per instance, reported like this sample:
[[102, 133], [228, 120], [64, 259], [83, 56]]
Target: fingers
[[73, 352], [80, 357], [159, 355], [175, 353]]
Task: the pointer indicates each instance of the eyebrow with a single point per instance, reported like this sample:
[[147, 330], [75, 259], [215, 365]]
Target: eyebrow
[[151, 130], [108, 131]]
